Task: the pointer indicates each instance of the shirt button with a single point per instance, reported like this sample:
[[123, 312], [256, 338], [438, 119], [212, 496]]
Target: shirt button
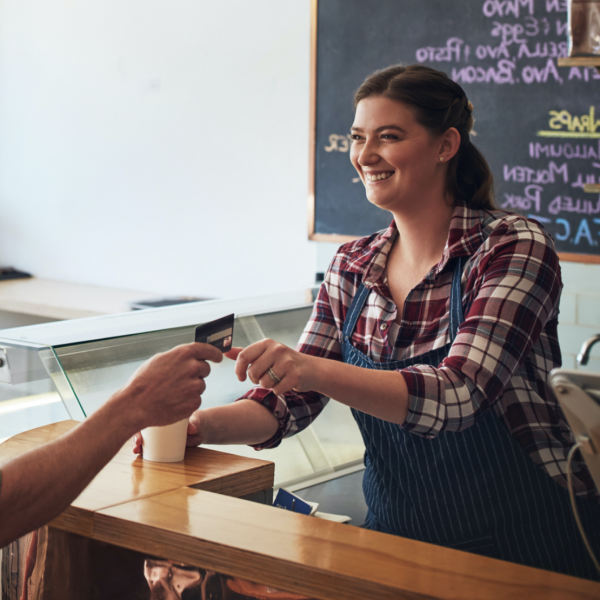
[[383, 326]]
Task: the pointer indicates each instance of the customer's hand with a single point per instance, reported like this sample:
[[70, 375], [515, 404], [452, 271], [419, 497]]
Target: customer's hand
[[274, 366], [166, 388]]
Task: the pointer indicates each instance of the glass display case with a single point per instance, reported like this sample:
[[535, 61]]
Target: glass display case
[[67, 369]]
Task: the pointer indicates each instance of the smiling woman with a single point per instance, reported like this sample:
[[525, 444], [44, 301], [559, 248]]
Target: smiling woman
[[395, 156], [437, 106], [439, 332]]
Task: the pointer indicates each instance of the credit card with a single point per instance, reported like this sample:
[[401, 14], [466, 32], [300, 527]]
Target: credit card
[[218, 333]]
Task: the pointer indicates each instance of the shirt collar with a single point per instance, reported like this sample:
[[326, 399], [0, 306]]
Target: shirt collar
[[465, 235], [369, 255]]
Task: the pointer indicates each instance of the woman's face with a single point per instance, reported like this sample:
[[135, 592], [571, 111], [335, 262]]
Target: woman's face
[[397, 159]]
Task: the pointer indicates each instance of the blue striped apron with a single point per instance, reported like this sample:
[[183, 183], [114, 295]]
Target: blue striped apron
[[476, 490]]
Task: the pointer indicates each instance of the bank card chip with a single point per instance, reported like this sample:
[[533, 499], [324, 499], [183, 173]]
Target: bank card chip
[[218, 333]]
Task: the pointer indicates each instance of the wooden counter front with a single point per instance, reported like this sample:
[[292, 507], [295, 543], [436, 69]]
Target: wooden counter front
[[318, 558]]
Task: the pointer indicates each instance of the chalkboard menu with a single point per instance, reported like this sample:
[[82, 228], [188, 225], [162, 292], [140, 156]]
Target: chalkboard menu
[[536, 122]]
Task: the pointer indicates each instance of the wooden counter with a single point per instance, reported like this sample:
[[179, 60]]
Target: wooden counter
[[273, 547], [128, 477]]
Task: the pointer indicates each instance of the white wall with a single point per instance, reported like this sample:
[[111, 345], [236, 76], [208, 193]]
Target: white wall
[[156, 145], [579, 317]]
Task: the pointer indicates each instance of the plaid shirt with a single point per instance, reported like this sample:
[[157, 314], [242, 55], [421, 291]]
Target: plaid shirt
[[500, 359]]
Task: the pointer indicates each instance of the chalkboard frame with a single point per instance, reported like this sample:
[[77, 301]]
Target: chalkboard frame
[[312, 139], [342, 238]]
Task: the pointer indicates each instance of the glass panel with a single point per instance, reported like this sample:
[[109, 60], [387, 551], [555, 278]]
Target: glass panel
[[28, 394], [339, 436], [97, 369], [56, 372]]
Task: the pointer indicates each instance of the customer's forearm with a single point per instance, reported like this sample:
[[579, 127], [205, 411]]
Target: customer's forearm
[[40, 484], [243, 422]]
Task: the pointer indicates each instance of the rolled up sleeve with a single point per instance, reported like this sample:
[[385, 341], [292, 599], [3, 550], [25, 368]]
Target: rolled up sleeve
[[516, 289], [294, 410]]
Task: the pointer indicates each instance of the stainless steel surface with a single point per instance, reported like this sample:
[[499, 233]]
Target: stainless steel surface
[[578, 395]]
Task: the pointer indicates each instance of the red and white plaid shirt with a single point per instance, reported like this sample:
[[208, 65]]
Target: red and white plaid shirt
[[500, 359]]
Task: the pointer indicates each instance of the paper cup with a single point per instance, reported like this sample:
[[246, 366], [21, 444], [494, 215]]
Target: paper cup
[[165, 444]]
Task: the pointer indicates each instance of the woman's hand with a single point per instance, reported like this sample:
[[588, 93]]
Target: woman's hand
[[275, 366], [194, 437], [195, 432]]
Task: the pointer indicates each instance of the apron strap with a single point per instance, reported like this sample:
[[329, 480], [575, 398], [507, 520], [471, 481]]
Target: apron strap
[[355, 309], [456, 309]]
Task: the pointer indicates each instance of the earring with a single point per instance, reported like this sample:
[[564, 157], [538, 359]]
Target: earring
[[441, 159]]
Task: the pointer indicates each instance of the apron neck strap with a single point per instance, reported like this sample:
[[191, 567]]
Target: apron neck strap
[[456, 309], [360, 297]]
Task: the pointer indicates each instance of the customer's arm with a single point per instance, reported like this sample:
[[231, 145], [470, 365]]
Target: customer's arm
[[40, 484]]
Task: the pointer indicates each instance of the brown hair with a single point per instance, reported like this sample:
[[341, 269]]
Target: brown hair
[[438, 104]]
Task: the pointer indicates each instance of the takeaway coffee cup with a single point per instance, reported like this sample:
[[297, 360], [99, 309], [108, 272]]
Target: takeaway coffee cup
[[165, 444]]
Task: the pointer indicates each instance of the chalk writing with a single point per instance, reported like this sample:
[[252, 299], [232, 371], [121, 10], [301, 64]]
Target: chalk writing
[[526, 53], [568, 204], [563, 120], [531, 200], [562, 27], [556, 5], [512, 33], [338, 143], [501, 51], [533, 74], [538, 124], [516, 44], [452, 51], [570, 151], [584, 73], [529, 175], [589, 178], [502, 73], [543, 50], [501, 8]]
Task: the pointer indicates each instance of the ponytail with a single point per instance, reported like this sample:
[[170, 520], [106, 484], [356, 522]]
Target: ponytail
[[469, 179]]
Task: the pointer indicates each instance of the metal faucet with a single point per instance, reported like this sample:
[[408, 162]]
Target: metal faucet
[[584, 354]]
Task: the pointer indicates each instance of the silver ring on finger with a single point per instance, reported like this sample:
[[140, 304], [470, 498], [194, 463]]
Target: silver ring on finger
[[274, 377]]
